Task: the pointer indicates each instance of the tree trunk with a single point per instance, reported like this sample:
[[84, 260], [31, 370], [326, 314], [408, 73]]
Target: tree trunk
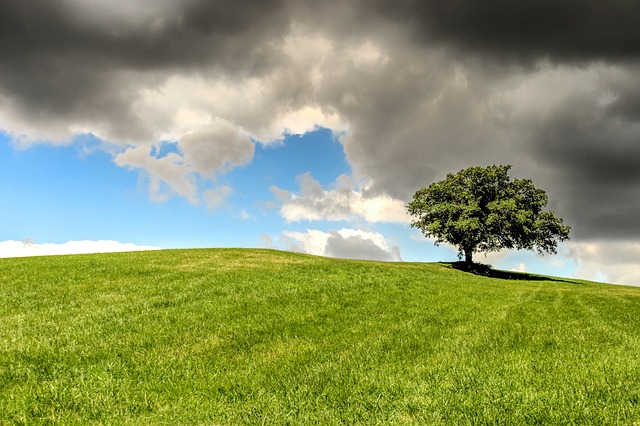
[[468, 257]]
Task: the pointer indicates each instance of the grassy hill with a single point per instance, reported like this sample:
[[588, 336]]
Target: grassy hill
[[232, 336]]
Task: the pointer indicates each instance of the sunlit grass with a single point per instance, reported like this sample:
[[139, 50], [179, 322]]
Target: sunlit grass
[[256, 336]]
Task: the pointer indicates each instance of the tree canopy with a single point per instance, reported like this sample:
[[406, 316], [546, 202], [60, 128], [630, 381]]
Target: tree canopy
[[481, 209]]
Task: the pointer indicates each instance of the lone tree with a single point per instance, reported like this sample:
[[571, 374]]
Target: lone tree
[[481, 209]]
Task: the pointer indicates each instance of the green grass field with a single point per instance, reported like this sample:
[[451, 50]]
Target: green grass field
[[230, 336]]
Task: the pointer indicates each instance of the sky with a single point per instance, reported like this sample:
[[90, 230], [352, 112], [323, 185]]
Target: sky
[[307, 126]]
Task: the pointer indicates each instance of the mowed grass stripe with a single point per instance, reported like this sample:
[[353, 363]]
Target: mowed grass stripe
[[230, 336]]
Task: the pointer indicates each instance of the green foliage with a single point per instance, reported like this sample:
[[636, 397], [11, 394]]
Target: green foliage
[[264, 337], [481, 209]]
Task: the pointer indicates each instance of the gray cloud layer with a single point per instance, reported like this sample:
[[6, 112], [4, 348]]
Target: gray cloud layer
[[424, 87]]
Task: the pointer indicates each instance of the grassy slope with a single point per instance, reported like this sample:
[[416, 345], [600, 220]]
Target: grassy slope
[[250, 336]]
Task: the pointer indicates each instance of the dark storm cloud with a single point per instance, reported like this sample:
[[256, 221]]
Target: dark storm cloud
[[595, 165], [65, 59], [175, 34], [576, 131], [528, 30], [574, 69]]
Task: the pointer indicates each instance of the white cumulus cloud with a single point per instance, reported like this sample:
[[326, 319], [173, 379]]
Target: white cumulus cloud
[[214, 149], [26, 248], [167, 175], [344, 201]]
